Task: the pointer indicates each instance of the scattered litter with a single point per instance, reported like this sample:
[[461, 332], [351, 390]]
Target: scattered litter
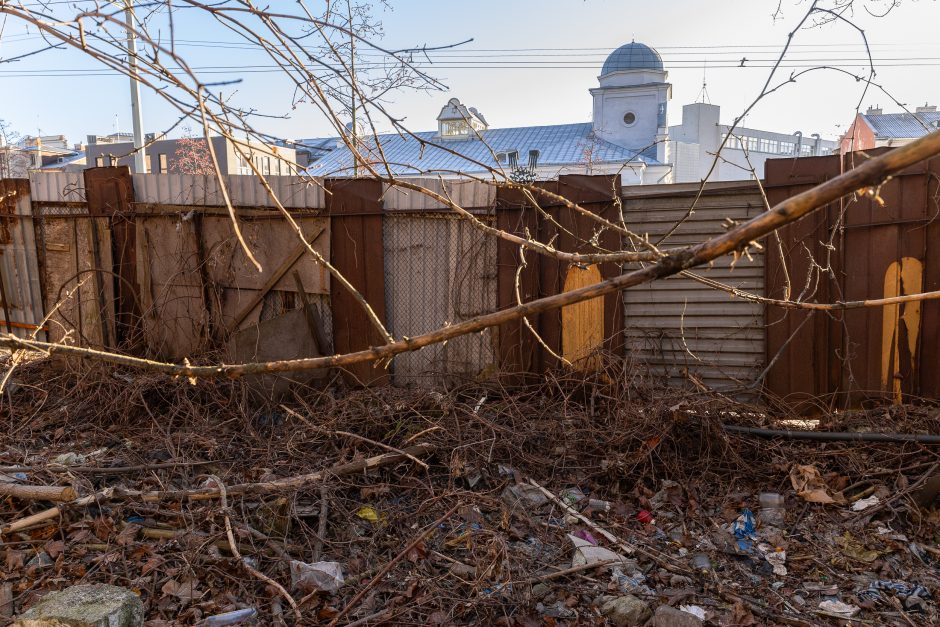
[[586, 535], [13, 477], [694, 610], [634, 583], [811, 487], [572, 496], [855, 549], [913, 596], [772, 509], [743, 529], [701, 562], [522, 496], [645, 517], [838, 607], [587, 553], [323, 576], [775, 557], [669, 493], [372, 515], [863, 504], [235, 617]]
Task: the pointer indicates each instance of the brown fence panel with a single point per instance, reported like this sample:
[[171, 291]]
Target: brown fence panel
[[357, 248], [110, 193], [863, 247], [568, 230]]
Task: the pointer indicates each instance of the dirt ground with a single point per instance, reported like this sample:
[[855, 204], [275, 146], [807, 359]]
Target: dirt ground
[[558, 503]]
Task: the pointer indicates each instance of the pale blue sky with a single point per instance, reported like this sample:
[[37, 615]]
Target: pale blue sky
[[552, 84]]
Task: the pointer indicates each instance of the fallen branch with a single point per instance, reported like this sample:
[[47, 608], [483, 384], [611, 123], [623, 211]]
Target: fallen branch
[[355, 436], [251, 569], [205, 494], [38, 492], [571, 571]]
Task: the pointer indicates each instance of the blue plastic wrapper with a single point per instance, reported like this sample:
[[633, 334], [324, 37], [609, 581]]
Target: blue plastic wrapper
[[743, 529]]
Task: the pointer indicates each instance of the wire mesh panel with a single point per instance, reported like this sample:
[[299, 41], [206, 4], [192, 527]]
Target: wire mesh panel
[[440, 270]]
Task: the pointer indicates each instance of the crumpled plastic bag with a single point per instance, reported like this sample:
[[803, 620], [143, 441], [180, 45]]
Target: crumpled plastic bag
[[838, 607], [587, 553], [324, 576], [810, 486]]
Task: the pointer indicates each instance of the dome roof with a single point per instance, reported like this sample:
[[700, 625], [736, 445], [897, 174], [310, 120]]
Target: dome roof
[[632, 56]]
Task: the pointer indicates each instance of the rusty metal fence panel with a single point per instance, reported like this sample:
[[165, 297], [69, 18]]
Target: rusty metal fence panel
[[679, 329], [875, 245]]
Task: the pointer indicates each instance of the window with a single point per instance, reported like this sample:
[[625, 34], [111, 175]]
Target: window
[[163, 165], [267, 166], [752, 143], [786, 148], [629, 118], [453, 129], [806, 150], [767, 145]]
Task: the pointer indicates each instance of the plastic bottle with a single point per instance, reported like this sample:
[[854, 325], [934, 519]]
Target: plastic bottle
[[772, 509]]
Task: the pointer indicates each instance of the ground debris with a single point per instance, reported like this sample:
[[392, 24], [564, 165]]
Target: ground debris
[[541, 506]]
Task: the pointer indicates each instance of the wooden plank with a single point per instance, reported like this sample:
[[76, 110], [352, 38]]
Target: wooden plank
[[287, 264], [358, 253], [582, 324]]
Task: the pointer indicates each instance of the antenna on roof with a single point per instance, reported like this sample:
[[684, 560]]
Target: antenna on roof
[[703, 94]]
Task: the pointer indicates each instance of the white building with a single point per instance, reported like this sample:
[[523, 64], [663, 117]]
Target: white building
[[628, 134]]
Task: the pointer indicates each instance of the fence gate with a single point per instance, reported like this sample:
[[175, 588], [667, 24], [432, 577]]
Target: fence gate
[[878, 244]]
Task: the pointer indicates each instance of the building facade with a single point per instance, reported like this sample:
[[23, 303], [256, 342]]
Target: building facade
[[629, 134], [875, 128], [164, 155]]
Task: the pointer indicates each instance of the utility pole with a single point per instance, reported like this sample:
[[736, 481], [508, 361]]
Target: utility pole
[[140, 153]]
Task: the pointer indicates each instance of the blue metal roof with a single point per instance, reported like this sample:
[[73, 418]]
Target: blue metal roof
[[427, 153], [633, 56], [903, 125]]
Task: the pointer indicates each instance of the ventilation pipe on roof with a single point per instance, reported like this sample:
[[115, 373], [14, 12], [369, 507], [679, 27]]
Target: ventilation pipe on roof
[[816, 144], [799, 143]]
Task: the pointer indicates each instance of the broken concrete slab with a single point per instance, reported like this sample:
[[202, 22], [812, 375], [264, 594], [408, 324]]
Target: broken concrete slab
[[666, 616], [626, 611], [96, 605]]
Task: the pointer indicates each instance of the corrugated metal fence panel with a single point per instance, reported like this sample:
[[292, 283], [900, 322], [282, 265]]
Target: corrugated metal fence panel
[[57, 186], [439, 270], [293, 192], [679, 327], [20, 264], [465, 193]]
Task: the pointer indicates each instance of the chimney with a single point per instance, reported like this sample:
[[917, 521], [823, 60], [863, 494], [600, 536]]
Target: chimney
[[876, 110], [927, 108]]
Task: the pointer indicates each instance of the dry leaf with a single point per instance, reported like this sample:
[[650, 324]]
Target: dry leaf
[[15, 560], [54, 548], [186, 590], [811, 487]]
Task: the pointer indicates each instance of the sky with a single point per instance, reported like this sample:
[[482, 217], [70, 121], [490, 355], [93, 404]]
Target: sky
[[531, 62]]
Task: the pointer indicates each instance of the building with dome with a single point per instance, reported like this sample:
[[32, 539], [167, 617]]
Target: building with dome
[[628, 133]]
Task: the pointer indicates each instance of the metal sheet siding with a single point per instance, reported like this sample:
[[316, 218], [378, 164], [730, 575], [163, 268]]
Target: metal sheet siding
[[293, 192], [679, 327], [20, 265]]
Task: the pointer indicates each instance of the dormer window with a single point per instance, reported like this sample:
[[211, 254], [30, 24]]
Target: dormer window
[[457, 121], [454, 129]]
